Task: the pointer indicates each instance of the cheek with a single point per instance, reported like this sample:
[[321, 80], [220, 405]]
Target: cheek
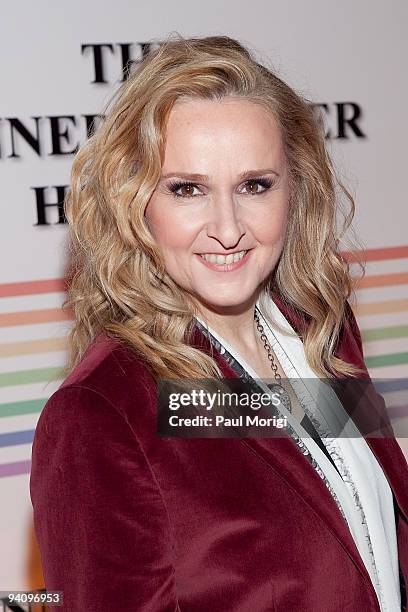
[[270, 229], [170, 231]]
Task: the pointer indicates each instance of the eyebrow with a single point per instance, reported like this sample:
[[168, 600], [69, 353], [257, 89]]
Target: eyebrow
[[204, 177]]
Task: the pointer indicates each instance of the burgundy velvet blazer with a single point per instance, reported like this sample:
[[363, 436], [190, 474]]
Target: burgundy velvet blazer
[[126, 520]]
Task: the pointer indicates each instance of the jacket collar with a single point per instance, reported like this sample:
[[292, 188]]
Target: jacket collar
[[283, 457]]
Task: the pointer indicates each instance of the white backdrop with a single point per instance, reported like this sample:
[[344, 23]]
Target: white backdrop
[[338, 54]]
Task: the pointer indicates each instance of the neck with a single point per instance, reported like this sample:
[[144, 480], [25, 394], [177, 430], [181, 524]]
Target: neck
[[235, 324]]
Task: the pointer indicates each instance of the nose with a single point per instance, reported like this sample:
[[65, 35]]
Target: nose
[[225, 224]]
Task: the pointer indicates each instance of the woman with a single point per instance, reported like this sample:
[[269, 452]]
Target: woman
[[203, 233]]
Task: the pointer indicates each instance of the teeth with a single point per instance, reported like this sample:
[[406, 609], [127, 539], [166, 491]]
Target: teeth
[[223, 259]]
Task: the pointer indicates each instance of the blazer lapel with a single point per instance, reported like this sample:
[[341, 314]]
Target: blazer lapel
[[284, 457]]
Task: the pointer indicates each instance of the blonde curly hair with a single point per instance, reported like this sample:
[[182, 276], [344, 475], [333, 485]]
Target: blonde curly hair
[[117, 279]]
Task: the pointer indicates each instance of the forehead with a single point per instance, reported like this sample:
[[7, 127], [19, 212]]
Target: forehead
[[231, 126]]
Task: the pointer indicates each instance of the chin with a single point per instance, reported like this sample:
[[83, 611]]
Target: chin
[[216, 301]]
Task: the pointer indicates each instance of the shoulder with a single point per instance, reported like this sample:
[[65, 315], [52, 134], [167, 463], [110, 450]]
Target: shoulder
[[109, 385], [105, 408], [112, 370], [106, 360]]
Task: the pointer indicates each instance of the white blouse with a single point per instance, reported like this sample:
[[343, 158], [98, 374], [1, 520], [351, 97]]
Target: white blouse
[[360, 485]]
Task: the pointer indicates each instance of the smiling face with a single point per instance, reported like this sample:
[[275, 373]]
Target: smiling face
[[223, 192]]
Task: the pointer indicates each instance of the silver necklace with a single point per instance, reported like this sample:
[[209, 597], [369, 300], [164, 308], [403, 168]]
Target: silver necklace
[[275, 387]]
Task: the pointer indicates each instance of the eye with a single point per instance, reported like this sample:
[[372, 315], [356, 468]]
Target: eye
[[253, 185], [188, 189]]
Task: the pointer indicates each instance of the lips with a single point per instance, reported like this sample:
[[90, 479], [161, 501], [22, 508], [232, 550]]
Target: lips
[[221, 259], [224, 267]]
